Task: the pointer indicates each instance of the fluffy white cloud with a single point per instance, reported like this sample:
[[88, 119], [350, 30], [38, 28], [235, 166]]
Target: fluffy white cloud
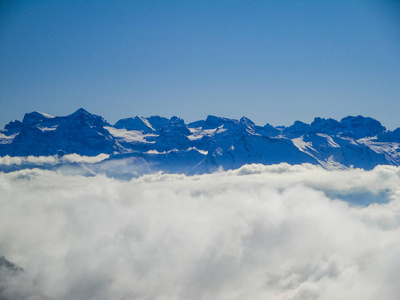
[[260, 232], [50, 160]]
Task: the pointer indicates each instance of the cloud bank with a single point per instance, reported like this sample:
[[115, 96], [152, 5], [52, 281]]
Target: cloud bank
[[260, 232], [50, 160]]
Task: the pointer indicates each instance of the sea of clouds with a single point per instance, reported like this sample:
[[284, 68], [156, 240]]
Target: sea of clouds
[[259, 232]]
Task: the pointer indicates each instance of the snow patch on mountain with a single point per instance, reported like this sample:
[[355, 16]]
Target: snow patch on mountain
[[129, 136], [302, 145]]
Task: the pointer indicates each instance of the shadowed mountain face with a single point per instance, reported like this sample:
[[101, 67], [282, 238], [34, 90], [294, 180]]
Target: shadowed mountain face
[[203, 146]]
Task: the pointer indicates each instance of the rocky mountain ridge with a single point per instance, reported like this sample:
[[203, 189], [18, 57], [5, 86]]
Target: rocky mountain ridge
[[170, 145]]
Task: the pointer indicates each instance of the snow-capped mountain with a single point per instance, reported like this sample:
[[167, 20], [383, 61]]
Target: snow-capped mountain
[[157, 143]]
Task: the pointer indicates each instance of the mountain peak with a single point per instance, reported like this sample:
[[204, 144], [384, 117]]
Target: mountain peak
[[80, 111], [36, 117], [137, 123], [246, 121], [329, 126], [177, 121], [214, 121], [361, 126], [85, 117], [297, 129]]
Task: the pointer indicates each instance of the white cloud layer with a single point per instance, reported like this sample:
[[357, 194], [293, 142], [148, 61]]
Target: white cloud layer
[[50, 160], [260, 232]]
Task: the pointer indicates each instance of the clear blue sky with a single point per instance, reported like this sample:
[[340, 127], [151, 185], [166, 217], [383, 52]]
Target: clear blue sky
[[272, 61]]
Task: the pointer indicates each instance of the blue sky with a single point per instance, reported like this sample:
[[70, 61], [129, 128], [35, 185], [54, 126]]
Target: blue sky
[[272, 61]]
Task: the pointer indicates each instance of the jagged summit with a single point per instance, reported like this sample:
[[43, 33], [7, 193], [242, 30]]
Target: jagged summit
[[360, 126], [41, 134], [80, 111], [328, 126], [205, 145], [36, 117], [86, 117], [135, 123]]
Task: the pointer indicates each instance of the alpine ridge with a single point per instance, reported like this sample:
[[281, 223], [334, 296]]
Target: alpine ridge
[[139, 145]]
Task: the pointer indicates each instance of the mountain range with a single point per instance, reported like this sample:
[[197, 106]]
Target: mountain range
[[139, 145]]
